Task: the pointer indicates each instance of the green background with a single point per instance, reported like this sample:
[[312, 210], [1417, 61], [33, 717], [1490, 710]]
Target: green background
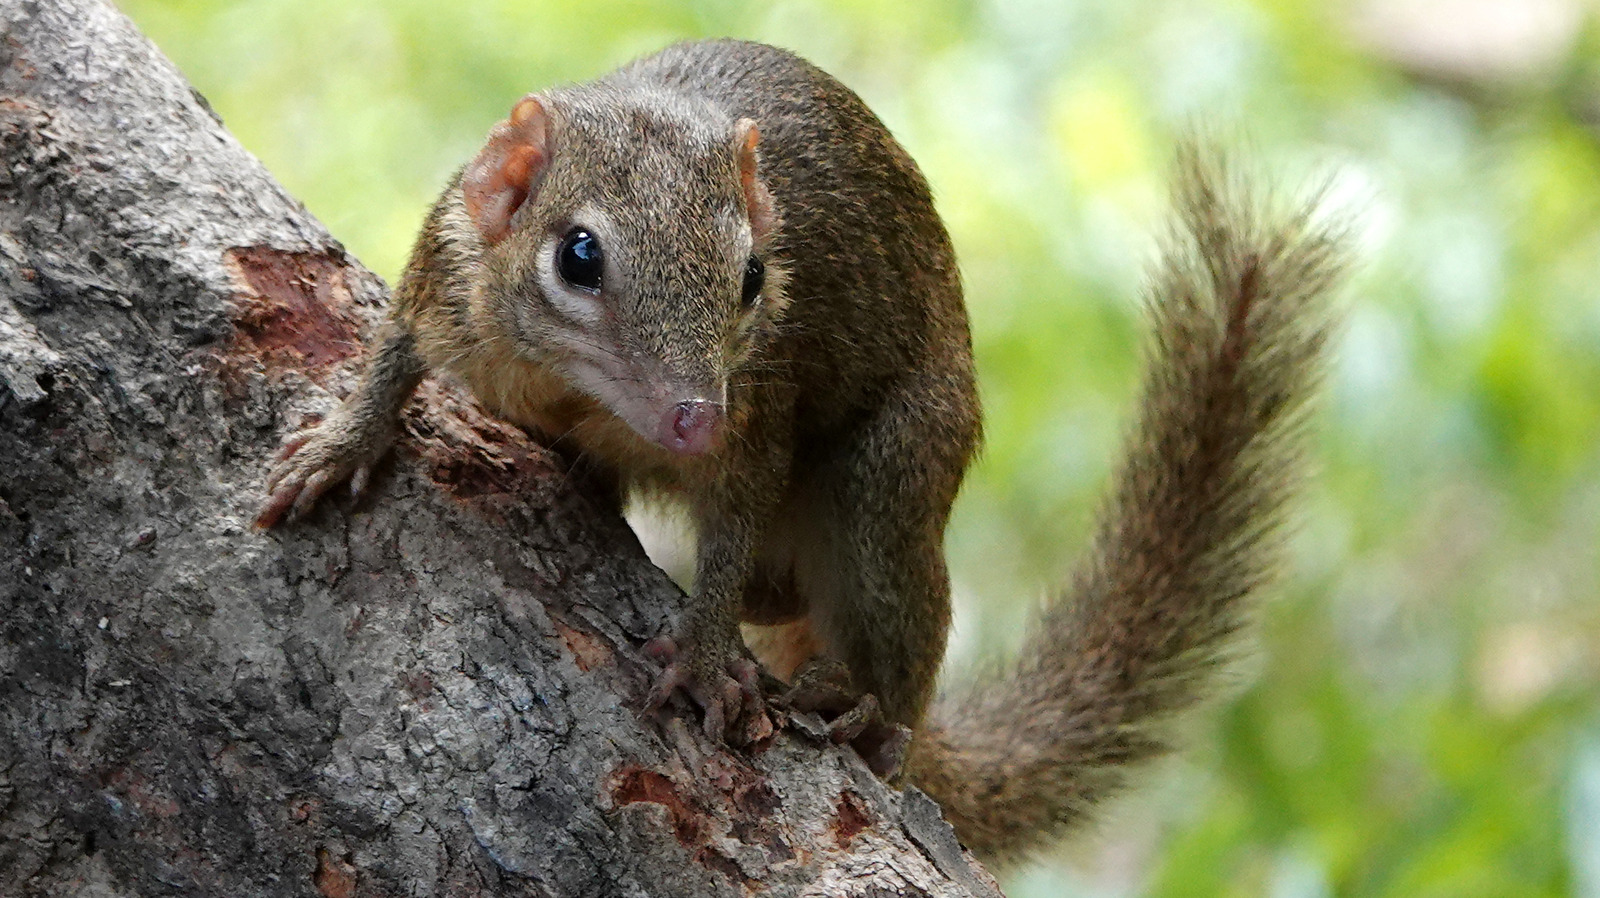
[[1419, 715]]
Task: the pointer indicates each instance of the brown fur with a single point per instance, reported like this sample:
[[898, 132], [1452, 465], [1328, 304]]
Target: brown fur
[[1188, 535], [850, 408]]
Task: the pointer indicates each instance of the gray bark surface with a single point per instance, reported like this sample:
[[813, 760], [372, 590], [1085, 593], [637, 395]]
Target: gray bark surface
[[432, 693]]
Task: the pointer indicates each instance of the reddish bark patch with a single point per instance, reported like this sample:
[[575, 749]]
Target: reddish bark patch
[[588, 652], [468, 476], [850, 817], [745, 807], [292, 308], [635, 784], [335, 878], [468, 453]]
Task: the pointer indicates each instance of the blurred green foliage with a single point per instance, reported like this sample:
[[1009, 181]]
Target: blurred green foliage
[[1420, 717]]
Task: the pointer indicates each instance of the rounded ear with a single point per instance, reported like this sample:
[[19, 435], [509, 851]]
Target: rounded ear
[[505, 172], [757, 198]]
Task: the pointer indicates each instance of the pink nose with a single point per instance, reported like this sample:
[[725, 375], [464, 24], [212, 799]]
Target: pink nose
[[692, 428]]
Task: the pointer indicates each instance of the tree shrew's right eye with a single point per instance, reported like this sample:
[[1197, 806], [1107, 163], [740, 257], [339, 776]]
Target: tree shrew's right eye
[[579, 260], [755, 277]]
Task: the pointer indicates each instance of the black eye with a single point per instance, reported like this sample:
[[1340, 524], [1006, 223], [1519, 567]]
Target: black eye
[[579, 261], [755, 274]]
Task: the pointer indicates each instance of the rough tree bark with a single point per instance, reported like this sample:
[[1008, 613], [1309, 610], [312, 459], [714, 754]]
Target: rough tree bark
[[432, 694]]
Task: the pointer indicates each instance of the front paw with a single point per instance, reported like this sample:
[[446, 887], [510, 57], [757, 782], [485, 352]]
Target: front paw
[[319, 458], [724, 684]]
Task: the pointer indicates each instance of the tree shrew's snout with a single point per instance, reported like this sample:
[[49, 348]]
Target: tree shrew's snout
[[692, 427]]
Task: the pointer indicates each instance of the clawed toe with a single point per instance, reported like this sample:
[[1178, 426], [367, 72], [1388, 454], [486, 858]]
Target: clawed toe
[[728, 694], [822, 687]]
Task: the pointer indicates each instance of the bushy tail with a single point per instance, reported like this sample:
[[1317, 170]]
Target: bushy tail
[[1190, 532]]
